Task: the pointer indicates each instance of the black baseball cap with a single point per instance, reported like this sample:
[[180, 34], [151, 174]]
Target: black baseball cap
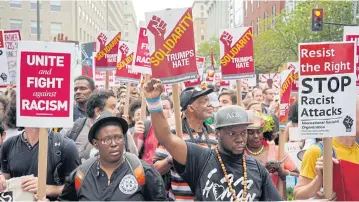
[[189, 95], [107, 118]]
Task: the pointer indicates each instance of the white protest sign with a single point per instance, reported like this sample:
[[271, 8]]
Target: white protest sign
[[11, 38], [45, 84], [327, 90], [4, 71]]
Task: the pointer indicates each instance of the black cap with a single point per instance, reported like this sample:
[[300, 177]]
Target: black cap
[[189, 95], [107, 118]]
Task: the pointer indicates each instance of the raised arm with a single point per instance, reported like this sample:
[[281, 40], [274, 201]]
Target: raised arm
[[174, 145]]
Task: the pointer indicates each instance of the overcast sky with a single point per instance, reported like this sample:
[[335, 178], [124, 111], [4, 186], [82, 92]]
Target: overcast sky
[[142, 6]]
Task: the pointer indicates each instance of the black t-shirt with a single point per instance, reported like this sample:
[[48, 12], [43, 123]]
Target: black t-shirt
[[205, 176], [123, 185], [19, 158]]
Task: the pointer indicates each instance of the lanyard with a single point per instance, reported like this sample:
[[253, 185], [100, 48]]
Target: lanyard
[[189, 130]]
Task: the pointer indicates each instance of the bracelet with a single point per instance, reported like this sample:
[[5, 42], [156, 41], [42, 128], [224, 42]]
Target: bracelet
[[154, 105]]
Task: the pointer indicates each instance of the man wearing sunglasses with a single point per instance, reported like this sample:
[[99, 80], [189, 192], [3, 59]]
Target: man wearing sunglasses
[[114, 175]]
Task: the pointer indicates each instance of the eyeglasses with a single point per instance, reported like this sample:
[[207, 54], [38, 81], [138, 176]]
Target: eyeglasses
[[108, 140], [254, 131]]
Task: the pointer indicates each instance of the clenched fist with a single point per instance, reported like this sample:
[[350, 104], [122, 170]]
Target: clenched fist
[[153, 89]]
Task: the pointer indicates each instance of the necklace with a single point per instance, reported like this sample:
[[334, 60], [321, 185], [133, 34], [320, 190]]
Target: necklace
[[235, 198], [255, 153]]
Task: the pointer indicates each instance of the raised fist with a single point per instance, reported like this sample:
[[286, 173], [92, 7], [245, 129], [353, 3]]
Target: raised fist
[[153, 88], [124, 50], [157, 27], [60, 38], [102, 38], [226, 39]]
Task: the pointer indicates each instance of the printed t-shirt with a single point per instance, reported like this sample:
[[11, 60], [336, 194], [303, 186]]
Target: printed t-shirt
[[314, 152], [205, 176]]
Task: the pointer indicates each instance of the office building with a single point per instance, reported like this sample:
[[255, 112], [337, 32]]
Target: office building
[[199, 13]]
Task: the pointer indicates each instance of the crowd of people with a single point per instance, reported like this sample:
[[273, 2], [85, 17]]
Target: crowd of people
[[225, 152]]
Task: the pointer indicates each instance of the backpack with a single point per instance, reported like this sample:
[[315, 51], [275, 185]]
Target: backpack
[[147, 124], [58, 142], [133, 161], [76, 129]]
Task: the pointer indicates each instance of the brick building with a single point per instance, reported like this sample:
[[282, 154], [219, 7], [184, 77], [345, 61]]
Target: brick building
[[257, 10]]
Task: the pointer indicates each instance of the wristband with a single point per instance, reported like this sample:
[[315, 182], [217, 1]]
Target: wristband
[[154, 105]]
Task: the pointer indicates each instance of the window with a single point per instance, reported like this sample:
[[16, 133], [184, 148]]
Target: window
[[273, 11], [252, 6], [265, 18], [15, 3], [84, 35], [202, 31], [80, 34], [202, 22], [15, 24], [126, 26], [55, 5], [34, 27], [79, 11], [258, 3], [202, 37], [202, 7], [33, 4], [202, 14], [257, 25], [55, 28], [126, 33]]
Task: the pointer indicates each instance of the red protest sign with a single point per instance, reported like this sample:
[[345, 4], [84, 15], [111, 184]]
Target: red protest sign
[[295, 67], [141, 63], [172, 47], [45, 84], [236, 50], [107, 51], [124, 70], [2, 41], [352, 34], [286, 82]]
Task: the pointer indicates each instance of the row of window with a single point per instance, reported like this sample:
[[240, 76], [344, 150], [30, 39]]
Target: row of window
[[55, 27], [258, 3], [91, 22], [85, 36], [55, 5]]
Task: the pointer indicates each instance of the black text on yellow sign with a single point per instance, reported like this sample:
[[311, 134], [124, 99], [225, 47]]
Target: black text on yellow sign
[[108, 47], [160, 54], [236, 48], [128, 60]]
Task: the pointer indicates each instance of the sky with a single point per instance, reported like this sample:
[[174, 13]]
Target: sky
[[142, 6]]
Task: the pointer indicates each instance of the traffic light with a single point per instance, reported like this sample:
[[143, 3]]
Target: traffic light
[[317, 20]]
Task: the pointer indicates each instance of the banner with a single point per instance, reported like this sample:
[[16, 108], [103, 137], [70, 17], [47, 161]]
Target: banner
[[269, 81], [351, 33], [107, 45], [124, 70], [87, 57], [286, 82], [327, 90], [142, 63], [4, 70], [171, 45], [295, 67], [45, 84], [236, 48], [11, 39]]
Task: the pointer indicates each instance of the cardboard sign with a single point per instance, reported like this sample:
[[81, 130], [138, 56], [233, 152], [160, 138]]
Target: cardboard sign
[[45, 84], [4, 71], [100, 79], [172, 47], [237, 57], [87, 59], [250, 82], [124, 70], [286, 82], [327, 90], [269, 81], [351, 33], [295, 67], [11, 39], [107, 45], [141, 63]]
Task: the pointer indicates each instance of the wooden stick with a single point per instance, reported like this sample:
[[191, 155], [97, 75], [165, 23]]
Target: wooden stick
[[143, 104], [107, 81], [42, 163], [127, 101], [177, 109], [239, 92], [281, 183], [327, 168]]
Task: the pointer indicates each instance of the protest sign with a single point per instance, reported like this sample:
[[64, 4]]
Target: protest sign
[[295, 67], [200, 66], [100, 79], [87, 59], [107, 45], [250, 82], [124, 70], [11, 39], [210, 76], [4, 71], [351, 33], [286, 82], [141, 63], [327, 90], [236, 52], [269, 81], [45, 84], [171, 45]]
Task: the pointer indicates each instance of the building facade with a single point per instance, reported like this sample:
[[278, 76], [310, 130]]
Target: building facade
[[236, 13], [257, 10], [218, 16], [199, 12], [130, 25], [78, 20]]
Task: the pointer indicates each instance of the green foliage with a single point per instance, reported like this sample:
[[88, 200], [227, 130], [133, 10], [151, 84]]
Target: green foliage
[[204, 50], [278, 44]]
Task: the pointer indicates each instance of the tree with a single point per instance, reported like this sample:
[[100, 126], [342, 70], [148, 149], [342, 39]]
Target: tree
[[204, 50], [278, 45]]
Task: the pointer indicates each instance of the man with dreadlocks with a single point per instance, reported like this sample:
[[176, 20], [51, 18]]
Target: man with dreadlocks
[[220, 174]]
